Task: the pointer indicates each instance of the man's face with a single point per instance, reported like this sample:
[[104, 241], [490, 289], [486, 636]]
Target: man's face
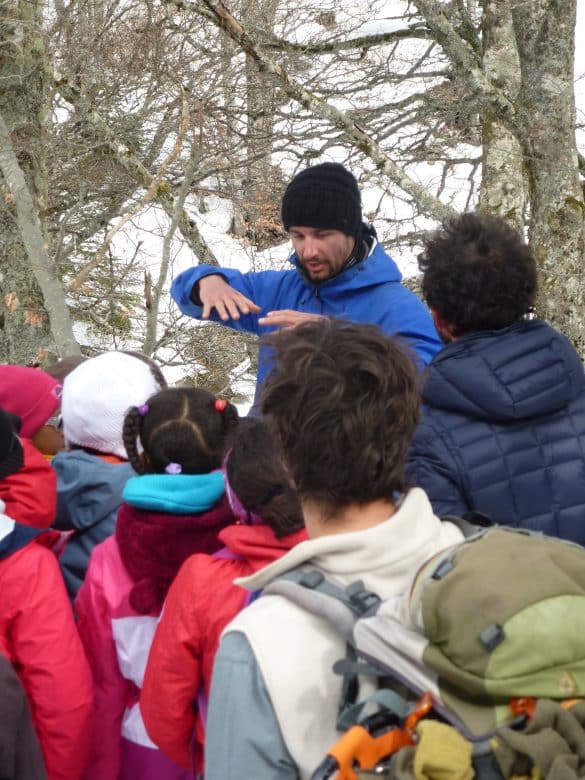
[[322, 253]]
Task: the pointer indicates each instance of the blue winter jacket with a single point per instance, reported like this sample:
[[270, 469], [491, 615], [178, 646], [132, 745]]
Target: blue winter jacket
[[503, 430], [369, 291], [89, 493]]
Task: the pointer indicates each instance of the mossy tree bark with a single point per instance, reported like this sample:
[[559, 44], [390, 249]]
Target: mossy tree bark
[[24, 326], [545, 35]]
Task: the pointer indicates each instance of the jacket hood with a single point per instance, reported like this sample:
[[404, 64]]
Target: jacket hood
[[375, 269], [179, 494], [89, 488], [526, 370], [257, 544], [154, 545], [374, 554]]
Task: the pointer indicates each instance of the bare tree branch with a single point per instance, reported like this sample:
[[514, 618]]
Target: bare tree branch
[[467, 61], [31, 233], [152, 310], [336, 45], [148, 197], [131, 162], [354, 132]]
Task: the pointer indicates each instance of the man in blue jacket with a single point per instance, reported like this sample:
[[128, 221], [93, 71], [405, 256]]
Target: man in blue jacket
[[503, 429], [340, 270]]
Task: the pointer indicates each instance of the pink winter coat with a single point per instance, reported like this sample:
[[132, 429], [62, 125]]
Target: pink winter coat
[[117, 637]]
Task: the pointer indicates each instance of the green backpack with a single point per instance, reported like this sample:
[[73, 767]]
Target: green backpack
[[503, 614], [500, 615]]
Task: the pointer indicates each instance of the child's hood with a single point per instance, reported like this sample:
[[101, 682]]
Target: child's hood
[[88, 488], [257, 544]]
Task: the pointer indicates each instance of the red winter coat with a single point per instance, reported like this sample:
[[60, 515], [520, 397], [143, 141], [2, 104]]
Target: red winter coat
[[200, 603], [30, 495], [39, 637]]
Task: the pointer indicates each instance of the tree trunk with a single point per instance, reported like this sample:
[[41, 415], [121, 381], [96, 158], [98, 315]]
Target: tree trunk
[[262, 202], [545, 32], [503, 183], [42, 266], [25, 335]]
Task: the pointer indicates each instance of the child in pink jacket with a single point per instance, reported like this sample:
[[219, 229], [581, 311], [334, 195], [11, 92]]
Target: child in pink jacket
[[175, 508]]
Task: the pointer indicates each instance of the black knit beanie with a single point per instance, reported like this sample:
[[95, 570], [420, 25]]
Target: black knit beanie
[[325, 196], [11, 454]]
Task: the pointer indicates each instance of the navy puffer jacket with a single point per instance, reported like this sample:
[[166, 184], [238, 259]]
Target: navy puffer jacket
[[503, 430]]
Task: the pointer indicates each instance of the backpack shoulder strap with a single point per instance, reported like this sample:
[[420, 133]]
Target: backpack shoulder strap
[[340, 605], [470, 524]]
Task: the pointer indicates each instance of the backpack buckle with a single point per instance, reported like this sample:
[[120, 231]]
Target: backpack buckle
[[311, 578], [492, 636], [361, 598]]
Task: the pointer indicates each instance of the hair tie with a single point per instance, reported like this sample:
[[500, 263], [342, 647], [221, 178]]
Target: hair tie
[[143, 409], [220, 405], [173, 468]]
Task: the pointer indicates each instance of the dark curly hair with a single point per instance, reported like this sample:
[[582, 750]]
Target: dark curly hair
[[257, 475], [179, 425], [344, 402], [478, 273]]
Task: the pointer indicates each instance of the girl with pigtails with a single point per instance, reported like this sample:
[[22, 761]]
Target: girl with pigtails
[[203, 598], [176, 507]]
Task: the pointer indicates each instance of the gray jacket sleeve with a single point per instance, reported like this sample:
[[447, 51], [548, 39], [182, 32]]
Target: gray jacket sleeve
[[242, 737]]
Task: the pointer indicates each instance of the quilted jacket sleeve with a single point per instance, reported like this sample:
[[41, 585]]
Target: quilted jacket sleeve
[[173, 678], [53, 667], [431, 466], [95, 628]]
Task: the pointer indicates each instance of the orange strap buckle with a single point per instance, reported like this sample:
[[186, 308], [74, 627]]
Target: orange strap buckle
[[358, 747]]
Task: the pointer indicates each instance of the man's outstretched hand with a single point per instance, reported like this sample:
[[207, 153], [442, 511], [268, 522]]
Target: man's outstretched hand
[[215, 293], [288, 318]]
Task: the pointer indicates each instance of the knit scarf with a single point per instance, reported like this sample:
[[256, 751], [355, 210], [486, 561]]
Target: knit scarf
[[153, 546]]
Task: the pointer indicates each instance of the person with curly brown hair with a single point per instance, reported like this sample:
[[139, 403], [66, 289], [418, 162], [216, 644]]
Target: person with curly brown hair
[[344, 402], [503, 430]]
